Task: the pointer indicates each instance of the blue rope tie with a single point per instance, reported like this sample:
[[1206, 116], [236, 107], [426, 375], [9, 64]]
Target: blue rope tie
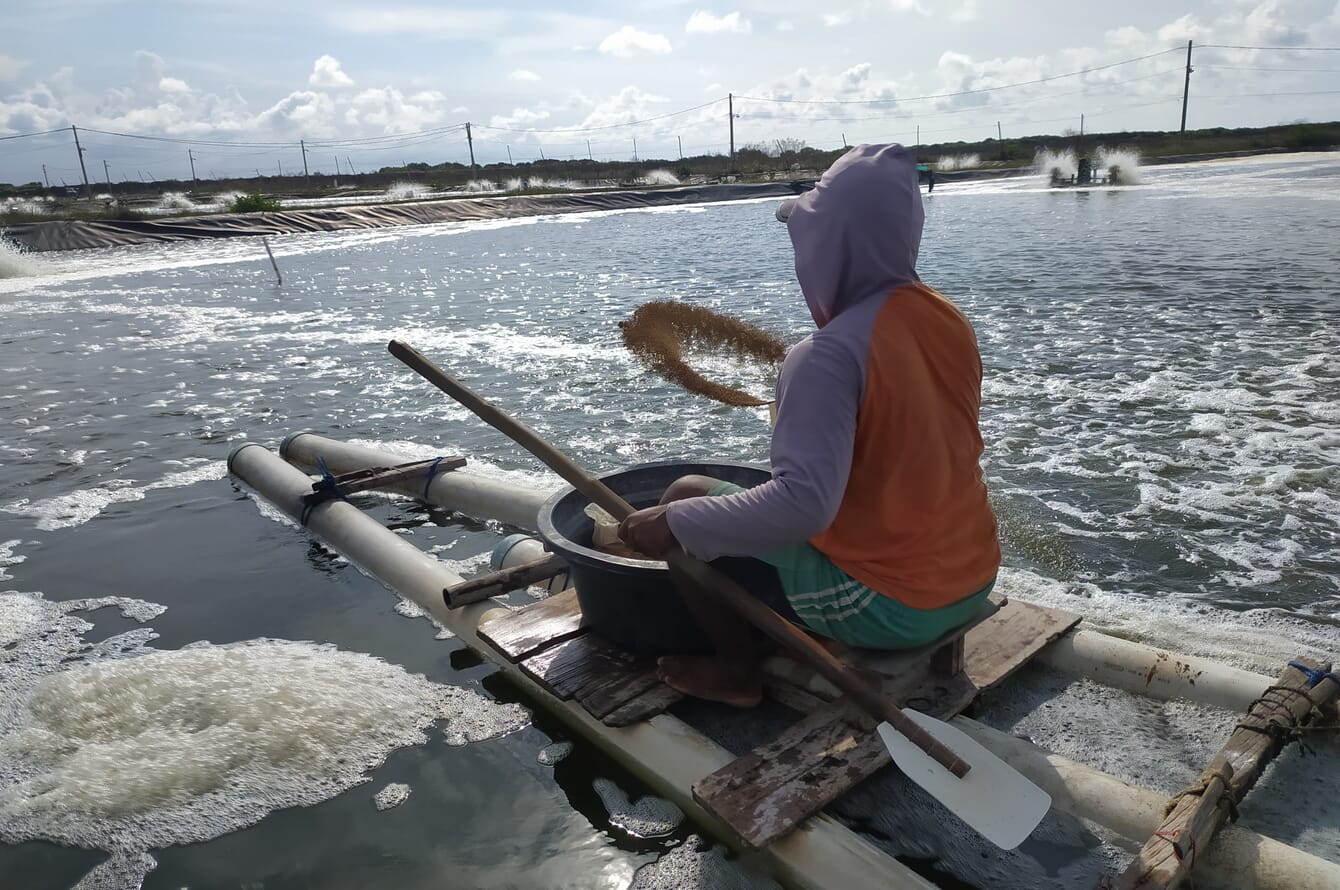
[[325, 490], [1314, 677], [432, 471]]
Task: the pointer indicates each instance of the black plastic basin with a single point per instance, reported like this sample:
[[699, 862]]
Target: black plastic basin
[[631, 602]]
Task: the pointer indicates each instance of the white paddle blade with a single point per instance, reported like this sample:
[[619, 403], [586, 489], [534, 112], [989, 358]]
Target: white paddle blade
[[994, 799]]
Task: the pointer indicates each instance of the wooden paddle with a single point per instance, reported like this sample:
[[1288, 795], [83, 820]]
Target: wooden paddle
[[973, 783]]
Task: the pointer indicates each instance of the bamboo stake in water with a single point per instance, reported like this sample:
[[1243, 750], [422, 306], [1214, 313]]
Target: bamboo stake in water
[[266, 242]]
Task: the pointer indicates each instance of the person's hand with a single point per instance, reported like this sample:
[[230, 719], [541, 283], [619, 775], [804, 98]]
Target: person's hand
[[648, 532]]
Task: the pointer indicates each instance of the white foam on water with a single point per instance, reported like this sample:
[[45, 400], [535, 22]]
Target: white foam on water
[[79, 507], [8, 558], [123, 871], [391, 796], [550, 755], [697, 865], [119, 747], [14, 263], [648, 817], [1260, 640]]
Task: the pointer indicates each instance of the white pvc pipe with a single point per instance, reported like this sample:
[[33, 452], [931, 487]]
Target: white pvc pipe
[[462, 490], [1154, 672], [665, 752], [1237, 857]]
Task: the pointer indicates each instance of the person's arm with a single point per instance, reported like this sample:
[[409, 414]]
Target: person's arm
[[818, 396]]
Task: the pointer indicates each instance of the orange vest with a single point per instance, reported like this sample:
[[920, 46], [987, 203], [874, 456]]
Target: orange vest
[[914, 523]]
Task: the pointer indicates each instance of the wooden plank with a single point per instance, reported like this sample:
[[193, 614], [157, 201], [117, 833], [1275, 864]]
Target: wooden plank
[[765, 794], [1167, 858], [648, 704], [601, 677], [1009, 639], [522, 633]]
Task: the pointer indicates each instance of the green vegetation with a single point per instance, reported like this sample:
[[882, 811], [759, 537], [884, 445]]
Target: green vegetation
[[253, 203]]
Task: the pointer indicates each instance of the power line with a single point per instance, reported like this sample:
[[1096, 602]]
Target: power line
[[43, 133], [1004, 86], [1291, 49]]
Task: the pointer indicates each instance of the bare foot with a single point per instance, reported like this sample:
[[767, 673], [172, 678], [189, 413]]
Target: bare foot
[[715, 679]]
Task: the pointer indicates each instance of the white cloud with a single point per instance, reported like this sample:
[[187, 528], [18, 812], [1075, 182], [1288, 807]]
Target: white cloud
[[909, 6], [837, 19], [10, 67], [702, 22], [523, 74], [629, 41], [712, 88], [1265, 26], [391, 111], [628, 105], [520, 118], [785, 25], [965, 13], [173, 85], [326, 72], [301, 112], [417, 20]]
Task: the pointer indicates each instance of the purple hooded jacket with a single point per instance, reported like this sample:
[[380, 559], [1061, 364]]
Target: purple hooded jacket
[[856, 237]]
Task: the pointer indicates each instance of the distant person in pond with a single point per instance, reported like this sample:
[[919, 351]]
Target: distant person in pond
[[876, 517], [930, 180]]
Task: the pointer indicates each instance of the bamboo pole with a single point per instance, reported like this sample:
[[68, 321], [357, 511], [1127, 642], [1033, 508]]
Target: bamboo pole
[[1196, 813], [503, 580]]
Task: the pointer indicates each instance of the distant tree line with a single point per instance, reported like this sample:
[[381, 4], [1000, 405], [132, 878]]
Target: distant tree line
[[776, 159]]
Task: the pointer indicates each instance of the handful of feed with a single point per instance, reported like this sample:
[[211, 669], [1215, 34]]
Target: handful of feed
[[658, 333]]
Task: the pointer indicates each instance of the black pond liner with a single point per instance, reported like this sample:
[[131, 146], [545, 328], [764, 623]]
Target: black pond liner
[[632, 602]]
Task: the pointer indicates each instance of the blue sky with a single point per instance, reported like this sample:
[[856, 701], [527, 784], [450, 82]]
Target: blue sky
[[536, 77]]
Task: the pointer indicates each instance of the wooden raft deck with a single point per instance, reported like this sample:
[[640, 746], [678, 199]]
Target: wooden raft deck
[[767, 793]]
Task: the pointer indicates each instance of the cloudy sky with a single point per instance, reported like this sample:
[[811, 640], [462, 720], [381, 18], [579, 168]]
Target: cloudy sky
[[349, 77]]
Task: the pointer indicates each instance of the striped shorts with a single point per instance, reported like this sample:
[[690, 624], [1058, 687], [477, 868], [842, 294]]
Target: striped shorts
[[830, 602]]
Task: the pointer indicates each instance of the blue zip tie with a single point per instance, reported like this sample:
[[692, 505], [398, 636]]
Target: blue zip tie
[[1314, 677], [432, 471]]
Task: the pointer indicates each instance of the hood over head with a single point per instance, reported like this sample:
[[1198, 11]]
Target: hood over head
[[856, 234]]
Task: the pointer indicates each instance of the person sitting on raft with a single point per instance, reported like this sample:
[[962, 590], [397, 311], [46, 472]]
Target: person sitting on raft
[[876, 517]]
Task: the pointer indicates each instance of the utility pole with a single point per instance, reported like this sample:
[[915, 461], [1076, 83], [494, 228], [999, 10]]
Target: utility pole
[[88, 191], [305, 178], [541, 148], [999, 138], [281, 167], [681, 147], [589, 156], [844, 138], [45, 178], [107, 171], [191, 155], [509, 156], [730, 110], [1186, 86], [470, 140], [634, 149], [1081, 126], [351, 165]]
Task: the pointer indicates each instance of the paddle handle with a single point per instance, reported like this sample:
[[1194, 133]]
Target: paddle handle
[[751, 609]]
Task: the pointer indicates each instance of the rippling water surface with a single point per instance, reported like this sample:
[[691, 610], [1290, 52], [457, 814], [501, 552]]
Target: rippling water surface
[[1161, 409]]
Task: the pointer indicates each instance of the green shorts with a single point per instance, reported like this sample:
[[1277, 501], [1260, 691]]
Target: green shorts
[[830, 602]]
